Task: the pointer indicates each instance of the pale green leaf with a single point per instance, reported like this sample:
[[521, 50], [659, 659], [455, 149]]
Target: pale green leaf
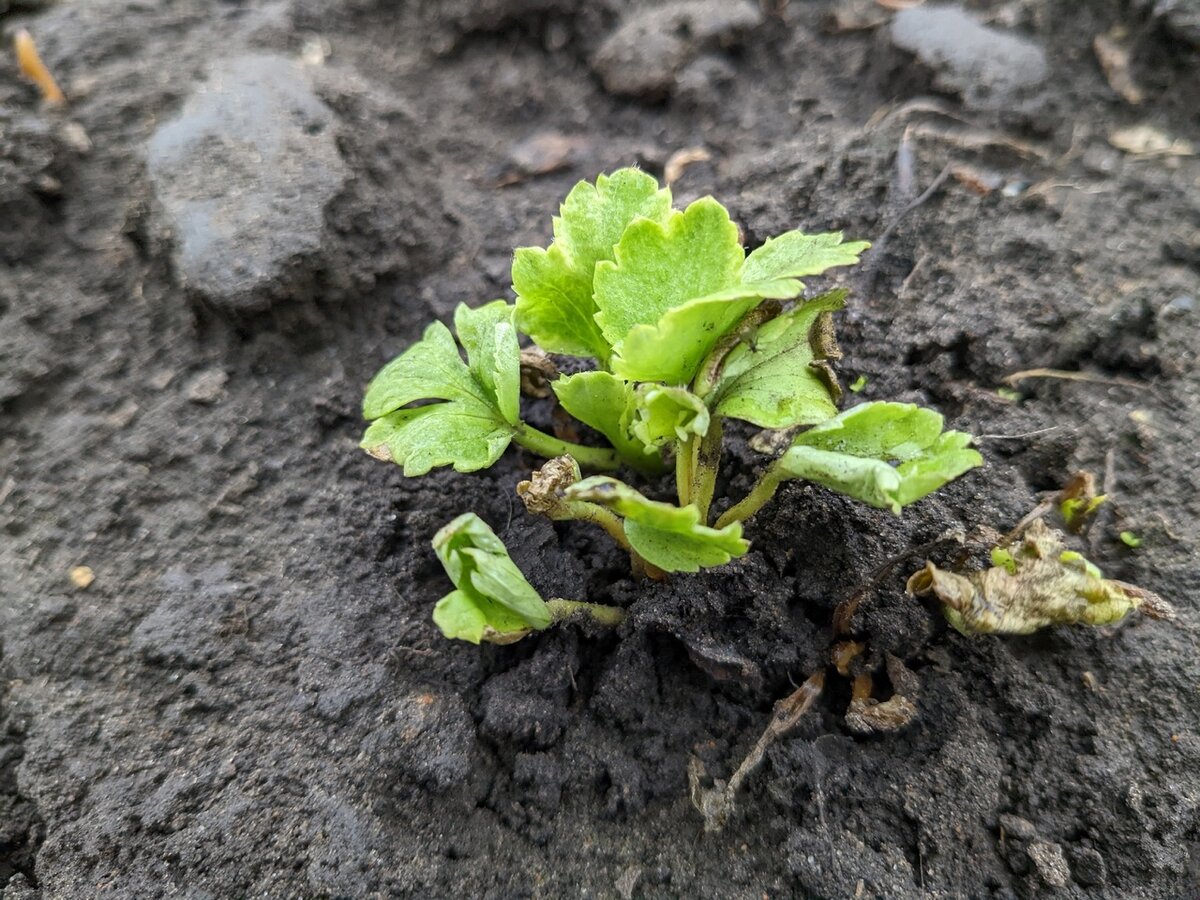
[[430, 369], [554, 286], [664, 415], [767, 379], [466, 435], [660, 266], [795, 254], [493, 354], [474, 423], [669, 537], [494, 601], [853, 454], [672, 349], [606, 403], [461, 616]]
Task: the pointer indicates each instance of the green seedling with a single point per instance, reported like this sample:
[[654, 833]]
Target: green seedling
[[858, 385], [684, 331], [1130, 539], [492, 601]]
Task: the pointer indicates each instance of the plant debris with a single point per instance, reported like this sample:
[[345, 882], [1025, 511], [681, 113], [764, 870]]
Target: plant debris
[[1037, 583], [32, 67]]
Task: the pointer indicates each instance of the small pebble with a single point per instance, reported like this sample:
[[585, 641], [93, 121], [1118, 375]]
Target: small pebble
[[1050, 862], [207, 386], [82, 576], [1015, 826]]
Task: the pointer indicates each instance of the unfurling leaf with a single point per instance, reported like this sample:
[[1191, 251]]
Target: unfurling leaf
[[665, 415], [1039, 584], [554, 286], [1078, 501], [769, 378], [607, 403], [854, 453], [493, 601], [473, 424], [669, 537]]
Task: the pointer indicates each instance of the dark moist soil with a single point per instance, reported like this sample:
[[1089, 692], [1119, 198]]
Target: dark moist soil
[[251, 699]]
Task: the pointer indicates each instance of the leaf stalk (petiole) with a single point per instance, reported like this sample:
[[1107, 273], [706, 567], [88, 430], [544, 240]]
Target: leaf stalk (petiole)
[[759, 496], [549, 446]]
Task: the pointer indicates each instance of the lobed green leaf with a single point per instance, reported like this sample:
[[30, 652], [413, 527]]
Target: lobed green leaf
[[669, 537], [658, 266], [554, 286], [672, 349], [795, 254], [473, 424]]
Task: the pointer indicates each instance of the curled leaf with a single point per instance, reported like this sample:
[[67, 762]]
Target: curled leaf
[[769, 378], [607, 403], [886, 454], [1038, 584], [669, 537], [493, 601], [664, 415], [543, 494]]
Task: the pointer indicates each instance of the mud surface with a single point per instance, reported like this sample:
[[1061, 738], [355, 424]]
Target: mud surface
[[251, 699]]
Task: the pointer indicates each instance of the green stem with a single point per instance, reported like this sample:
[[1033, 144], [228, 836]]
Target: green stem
[[549, 446], [582, 511], [561, 610], [759, 495], [685, 459], [705, 463]]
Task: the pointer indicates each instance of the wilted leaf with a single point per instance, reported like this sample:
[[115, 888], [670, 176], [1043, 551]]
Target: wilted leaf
[[1038, 584], [555, 286], [669, 537], [493, 602], [854, 453]]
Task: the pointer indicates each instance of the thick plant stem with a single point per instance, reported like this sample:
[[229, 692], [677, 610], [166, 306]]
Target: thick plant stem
[[598, 612], [549, 446], [758, 497]]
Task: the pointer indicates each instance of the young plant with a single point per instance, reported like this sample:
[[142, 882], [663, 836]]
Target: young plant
[[492, 601], [684, 331]]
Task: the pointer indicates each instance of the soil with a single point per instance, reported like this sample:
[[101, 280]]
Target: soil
[[251, 699]]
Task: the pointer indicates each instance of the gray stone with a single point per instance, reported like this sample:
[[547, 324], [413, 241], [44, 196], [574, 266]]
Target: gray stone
[[966, 56], [642, 57], [1050, 862], [243, 175], [1015, 826], [1089, 867]]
